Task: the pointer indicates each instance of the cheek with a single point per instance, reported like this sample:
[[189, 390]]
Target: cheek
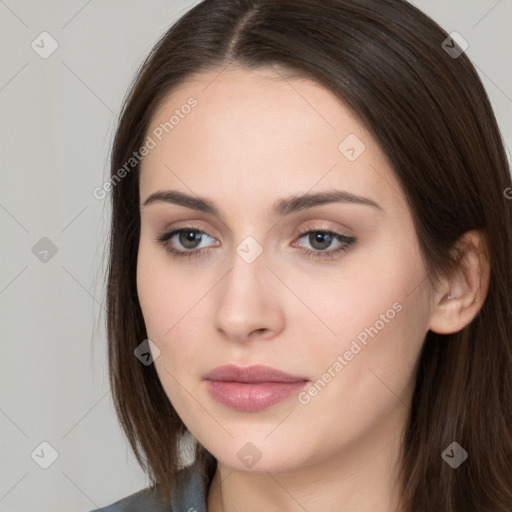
[[153, 298], [166, 314], [380, 316], [172, 308], [374, 309], [365, 377], [368, 291], [165, 293]]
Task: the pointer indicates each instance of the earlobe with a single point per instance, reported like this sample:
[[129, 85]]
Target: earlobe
[[460, 296]]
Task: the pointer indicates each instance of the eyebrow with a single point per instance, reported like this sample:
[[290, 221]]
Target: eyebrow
[[280, 208]]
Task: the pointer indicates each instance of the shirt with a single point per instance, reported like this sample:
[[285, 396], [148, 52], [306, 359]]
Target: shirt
[[194, 497]]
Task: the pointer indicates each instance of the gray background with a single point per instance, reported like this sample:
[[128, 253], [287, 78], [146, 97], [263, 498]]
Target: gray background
[[57, 121]]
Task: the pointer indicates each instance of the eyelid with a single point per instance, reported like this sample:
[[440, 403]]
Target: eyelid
[[314, 225], [345, 241], [323, 225], [197, 225], [168, 234]]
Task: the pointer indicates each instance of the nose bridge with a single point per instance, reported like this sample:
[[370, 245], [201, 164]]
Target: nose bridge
[[247, 302]]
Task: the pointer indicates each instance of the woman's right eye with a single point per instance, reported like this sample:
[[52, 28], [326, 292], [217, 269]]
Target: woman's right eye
[[185, 241]]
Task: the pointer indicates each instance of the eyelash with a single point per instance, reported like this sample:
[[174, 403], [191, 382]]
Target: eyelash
[[347, 241]]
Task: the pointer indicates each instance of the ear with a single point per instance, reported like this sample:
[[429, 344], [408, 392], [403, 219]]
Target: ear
[[459, 296]]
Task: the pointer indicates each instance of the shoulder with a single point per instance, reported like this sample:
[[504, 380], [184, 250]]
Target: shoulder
[[145, 500]]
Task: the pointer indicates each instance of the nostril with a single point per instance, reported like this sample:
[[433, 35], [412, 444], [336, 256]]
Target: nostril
[[259, 332]]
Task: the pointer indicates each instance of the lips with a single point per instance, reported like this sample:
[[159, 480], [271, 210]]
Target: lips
[[255, 373], [252, 388]]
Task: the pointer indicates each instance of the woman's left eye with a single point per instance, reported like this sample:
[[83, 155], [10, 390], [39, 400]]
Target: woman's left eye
[[321, 241], [193, 240]]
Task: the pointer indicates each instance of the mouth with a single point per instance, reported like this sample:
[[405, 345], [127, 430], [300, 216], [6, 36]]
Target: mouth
[[252, 388]]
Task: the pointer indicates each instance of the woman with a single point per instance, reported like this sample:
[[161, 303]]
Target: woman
[[310, 264]]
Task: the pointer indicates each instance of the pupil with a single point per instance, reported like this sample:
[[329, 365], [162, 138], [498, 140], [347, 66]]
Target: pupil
[[320, 240], [189, 239]]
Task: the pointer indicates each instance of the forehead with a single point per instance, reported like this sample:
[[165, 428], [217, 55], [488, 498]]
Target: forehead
[[264, 132]]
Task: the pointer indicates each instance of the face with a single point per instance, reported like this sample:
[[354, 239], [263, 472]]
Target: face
[[274, 233]]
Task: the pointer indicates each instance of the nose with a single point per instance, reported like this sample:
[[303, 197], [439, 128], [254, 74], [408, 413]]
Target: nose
[[249, 304]]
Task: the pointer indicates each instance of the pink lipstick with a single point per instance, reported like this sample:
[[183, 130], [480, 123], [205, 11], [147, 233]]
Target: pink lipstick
[[252, 388]]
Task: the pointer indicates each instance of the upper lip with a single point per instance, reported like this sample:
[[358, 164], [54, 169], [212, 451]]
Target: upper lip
[[255, 373]]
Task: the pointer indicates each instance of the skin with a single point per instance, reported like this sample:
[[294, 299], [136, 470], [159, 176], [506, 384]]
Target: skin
[[253, 139]]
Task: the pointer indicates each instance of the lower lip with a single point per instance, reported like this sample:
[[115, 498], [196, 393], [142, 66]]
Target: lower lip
[[253, 396]]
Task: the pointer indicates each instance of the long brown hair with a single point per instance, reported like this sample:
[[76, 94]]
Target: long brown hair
[[430, 114]]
